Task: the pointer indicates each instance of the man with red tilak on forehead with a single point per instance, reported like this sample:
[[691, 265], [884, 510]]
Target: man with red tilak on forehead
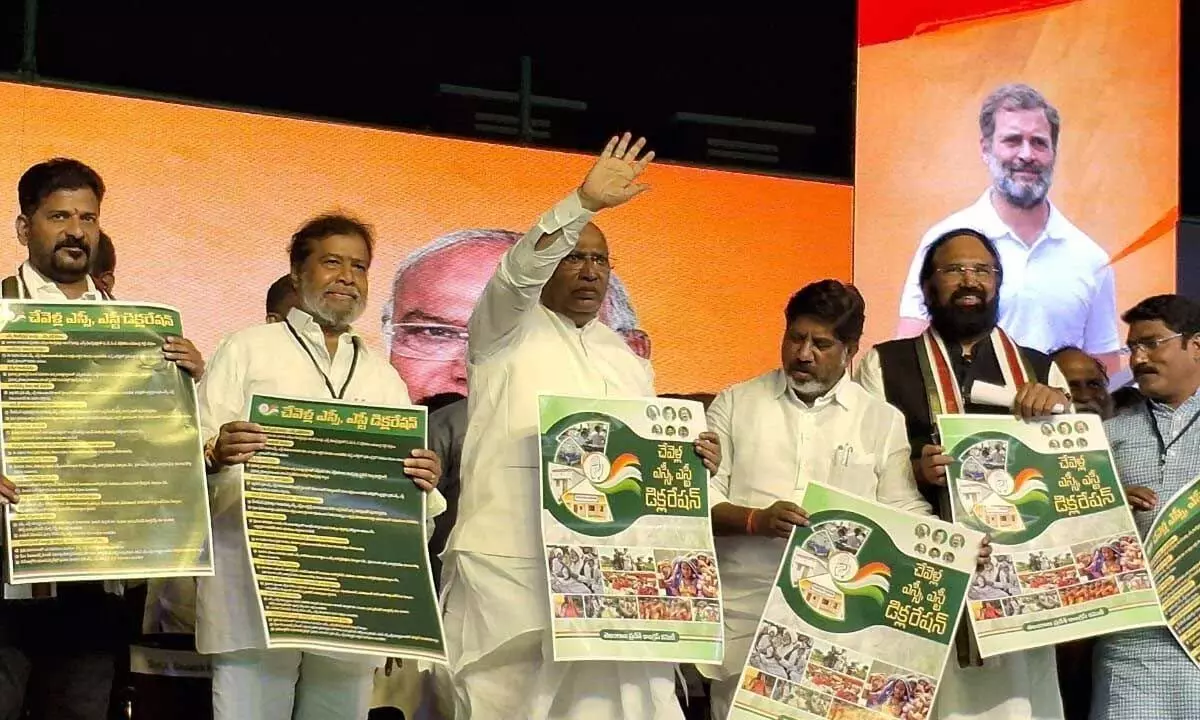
[[932, 374]]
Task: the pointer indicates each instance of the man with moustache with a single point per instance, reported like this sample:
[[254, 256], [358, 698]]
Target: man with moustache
[[932, 374], [805, 421], [58, 640], [314, 353], [1087, 380], [535, 330], [433, 293], [1058, 286], [1156, 446]]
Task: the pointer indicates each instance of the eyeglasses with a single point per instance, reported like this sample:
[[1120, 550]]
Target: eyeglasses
[[960, 272], [1149, 345], [428, 341], [577, 259]]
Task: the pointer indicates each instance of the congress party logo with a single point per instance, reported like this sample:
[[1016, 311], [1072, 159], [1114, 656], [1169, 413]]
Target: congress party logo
[[582, 478], [825, 569]]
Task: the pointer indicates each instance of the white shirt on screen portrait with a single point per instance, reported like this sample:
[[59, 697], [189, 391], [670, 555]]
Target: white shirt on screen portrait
[[1057, 291], [41, 287], [496, 613], [773, 445], [266, 360]]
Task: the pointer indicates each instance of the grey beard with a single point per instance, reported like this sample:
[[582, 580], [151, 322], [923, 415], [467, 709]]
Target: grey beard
[[1022, 195], [326, 316]]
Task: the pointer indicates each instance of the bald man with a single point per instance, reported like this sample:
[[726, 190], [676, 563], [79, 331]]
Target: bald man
[[433, 293]]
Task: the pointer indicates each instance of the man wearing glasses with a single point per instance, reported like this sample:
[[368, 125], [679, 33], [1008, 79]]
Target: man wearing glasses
[[1059, 286], [1156, 447], [932, 374], [433, 293]]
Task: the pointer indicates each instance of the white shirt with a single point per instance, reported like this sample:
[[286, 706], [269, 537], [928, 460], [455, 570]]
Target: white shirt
[[518, 348], [773, 445], [41, 287], [266, 360], [1057, 291]]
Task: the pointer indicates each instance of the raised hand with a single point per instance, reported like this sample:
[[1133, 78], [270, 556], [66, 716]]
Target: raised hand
[[610, 182]]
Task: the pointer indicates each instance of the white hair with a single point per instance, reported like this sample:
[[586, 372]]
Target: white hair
[[621, 315]]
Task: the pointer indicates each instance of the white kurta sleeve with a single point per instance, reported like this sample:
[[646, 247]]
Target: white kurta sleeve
[[869, 374], [222, 399], [720, 421], [516, 287], [897, 486]]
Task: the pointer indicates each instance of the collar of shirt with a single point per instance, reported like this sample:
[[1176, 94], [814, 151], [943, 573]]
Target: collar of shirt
[[990, 224], [839, 393], [1189, 406], [567, 323], [43, 288], [308, 328]]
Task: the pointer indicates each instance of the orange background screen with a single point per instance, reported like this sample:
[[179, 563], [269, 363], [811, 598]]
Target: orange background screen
[[1110, 66], [201, 204]]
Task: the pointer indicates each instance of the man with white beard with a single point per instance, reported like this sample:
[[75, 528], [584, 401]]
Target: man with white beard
[[1058, 285]]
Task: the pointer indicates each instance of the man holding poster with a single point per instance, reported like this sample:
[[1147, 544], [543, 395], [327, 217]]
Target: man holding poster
[[806, 421], [57, 639], [535, 330], [933, 374], [1145, 673], [314, 354]]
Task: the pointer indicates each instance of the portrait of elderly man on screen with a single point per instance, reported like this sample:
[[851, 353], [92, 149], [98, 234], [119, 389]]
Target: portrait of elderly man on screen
[[1058, 285], [433, 293]]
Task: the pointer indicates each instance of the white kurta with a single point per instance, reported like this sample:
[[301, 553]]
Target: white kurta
[[1016, 686], [266, 359], [497, 614], [772, 446]]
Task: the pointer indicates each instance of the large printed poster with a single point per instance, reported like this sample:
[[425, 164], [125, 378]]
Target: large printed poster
[[1173, 545], [101, 435], [632, 572], [1067, 562], [862, 615], [336, 531]]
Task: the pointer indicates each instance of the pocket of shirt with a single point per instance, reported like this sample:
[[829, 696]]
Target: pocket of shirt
[[857, 477]]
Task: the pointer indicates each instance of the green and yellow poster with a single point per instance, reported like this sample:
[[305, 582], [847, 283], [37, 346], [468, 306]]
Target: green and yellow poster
[[861, 618], [1067, 561], [336, 530], [632, 574], [1173, 546], [101, 434]]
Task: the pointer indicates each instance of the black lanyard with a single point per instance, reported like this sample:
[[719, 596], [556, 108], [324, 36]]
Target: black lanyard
[[25, 294], [1164, 446], [316, 366]]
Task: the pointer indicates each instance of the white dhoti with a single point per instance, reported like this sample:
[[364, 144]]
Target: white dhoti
[[290, 685], [1016, 686], [497, 621]]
